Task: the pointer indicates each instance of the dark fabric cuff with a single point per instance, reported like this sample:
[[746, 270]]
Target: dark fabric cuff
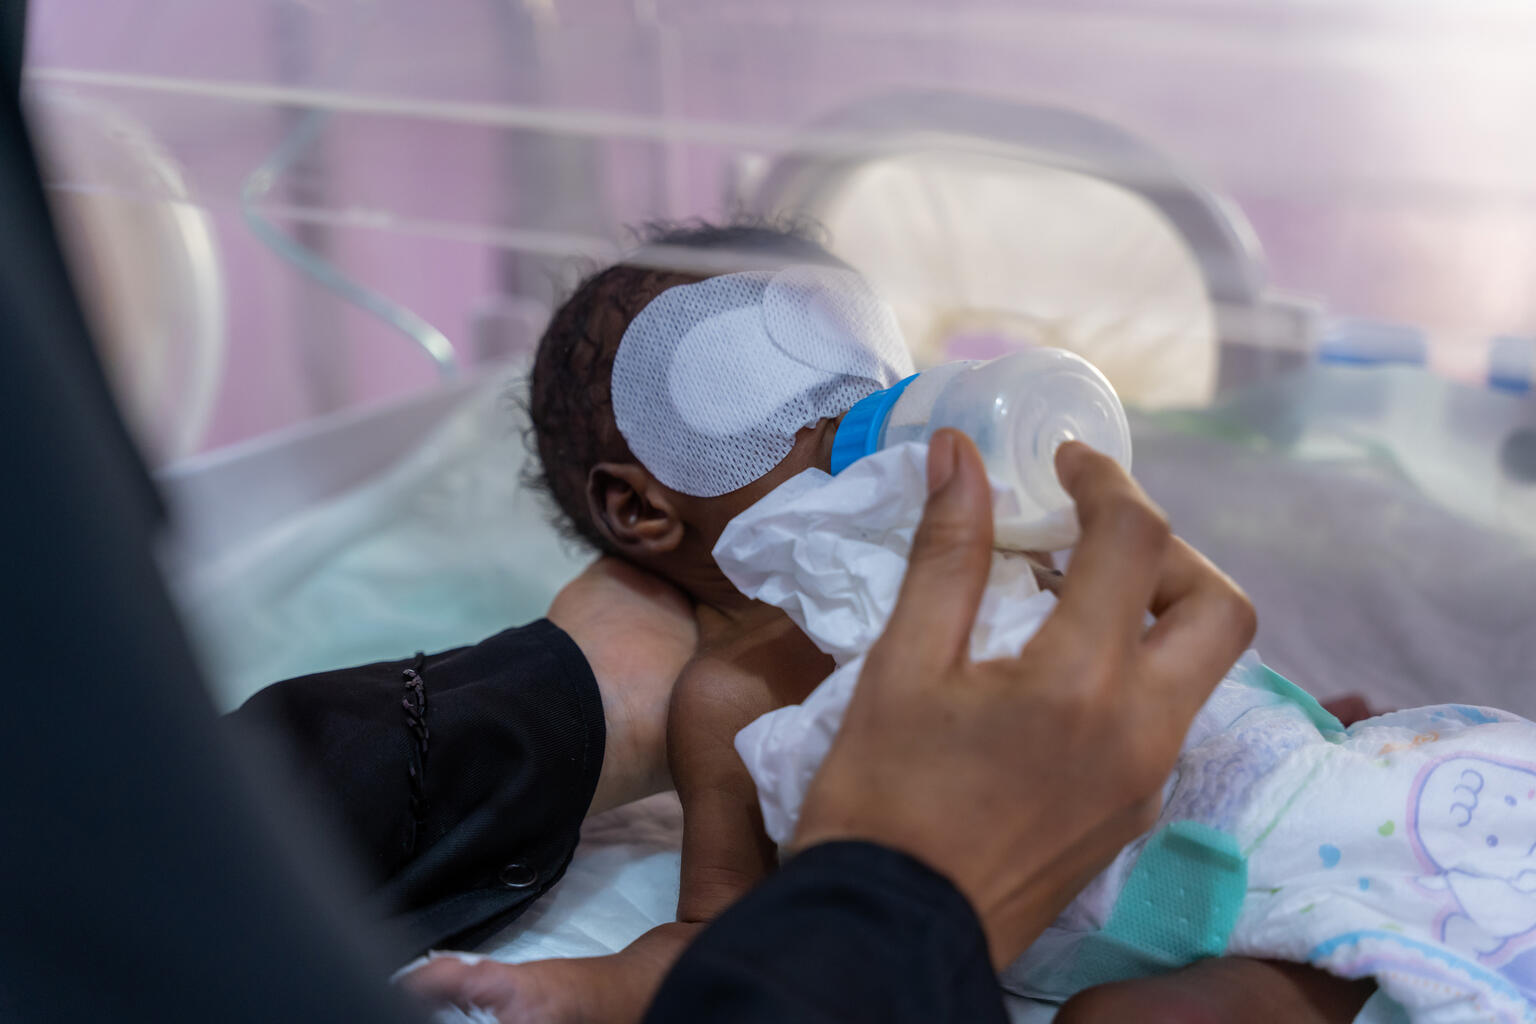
[[459, 780], [509, 787], [846, 931]]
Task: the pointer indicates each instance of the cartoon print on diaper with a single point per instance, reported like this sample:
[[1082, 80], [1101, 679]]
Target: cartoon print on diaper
[[1472, 823]]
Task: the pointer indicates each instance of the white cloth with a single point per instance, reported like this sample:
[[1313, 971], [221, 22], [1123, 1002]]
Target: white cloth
[[1404, 849], [831, 552]]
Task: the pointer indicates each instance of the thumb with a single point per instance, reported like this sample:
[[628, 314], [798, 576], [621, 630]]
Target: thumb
[[930, 628]]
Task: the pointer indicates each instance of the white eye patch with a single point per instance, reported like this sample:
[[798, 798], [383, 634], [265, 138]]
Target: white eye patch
[[710, 355], [712, 380]]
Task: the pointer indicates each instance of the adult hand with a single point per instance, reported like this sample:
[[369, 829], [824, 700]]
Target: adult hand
[[1020, 779], [637, 632]]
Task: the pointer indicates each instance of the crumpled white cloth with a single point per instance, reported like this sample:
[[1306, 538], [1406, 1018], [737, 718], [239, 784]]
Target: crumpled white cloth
[[831, 552]]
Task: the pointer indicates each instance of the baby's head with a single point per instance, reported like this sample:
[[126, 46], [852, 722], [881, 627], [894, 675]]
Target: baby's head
[[651, 512]]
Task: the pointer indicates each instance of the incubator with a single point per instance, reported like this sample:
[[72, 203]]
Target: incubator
[[318, 240]]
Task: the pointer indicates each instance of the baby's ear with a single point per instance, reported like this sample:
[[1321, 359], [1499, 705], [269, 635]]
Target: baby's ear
[[632, 510]]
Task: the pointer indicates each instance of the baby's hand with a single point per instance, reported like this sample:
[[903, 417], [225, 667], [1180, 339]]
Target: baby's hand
[[613, 989]]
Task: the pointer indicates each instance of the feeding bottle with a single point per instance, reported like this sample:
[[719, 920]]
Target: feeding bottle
[[1018, 409]]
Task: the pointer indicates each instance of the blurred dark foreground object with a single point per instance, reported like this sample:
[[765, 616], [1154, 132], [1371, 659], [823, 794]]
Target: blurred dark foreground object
[[143, 876]]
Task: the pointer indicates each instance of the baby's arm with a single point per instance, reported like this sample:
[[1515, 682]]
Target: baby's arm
[[725, 850], [725, 853]]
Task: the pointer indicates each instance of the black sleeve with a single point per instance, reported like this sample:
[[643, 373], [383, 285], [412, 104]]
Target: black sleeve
[[459, 779], [846, 931]]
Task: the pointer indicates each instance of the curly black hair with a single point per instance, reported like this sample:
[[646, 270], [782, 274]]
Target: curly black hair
[[569, 403]]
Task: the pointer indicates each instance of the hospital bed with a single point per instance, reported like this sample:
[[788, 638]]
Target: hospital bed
[[1375, 495]]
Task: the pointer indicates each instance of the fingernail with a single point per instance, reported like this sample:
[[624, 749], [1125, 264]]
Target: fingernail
[[941, 460]]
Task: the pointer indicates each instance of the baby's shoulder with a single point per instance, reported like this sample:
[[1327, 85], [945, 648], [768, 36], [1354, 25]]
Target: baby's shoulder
[[766, 667], [715, 670]]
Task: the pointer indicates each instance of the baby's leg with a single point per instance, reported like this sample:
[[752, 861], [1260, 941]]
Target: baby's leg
[[1224, 990], [612, 989]]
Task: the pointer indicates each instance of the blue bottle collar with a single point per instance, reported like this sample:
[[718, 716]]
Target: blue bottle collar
[[859, 432]]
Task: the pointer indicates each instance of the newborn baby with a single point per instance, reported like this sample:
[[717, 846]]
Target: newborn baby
[[651, 468]]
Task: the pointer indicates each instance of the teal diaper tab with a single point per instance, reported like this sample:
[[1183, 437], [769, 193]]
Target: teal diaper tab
[[1268, 679], [1179, 905]]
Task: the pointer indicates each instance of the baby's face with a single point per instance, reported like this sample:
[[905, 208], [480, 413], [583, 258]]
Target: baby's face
[[812, 449]]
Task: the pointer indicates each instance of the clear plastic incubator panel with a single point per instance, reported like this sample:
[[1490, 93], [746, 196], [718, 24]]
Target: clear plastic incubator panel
[[1298, 238]]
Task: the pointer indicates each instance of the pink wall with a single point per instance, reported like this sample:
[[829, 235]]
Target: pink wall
[[1381, 150]]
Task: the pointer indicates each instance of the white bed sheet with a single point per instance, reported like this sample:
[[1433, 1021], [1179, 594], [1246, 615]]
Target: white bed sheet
[[622, 882]]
